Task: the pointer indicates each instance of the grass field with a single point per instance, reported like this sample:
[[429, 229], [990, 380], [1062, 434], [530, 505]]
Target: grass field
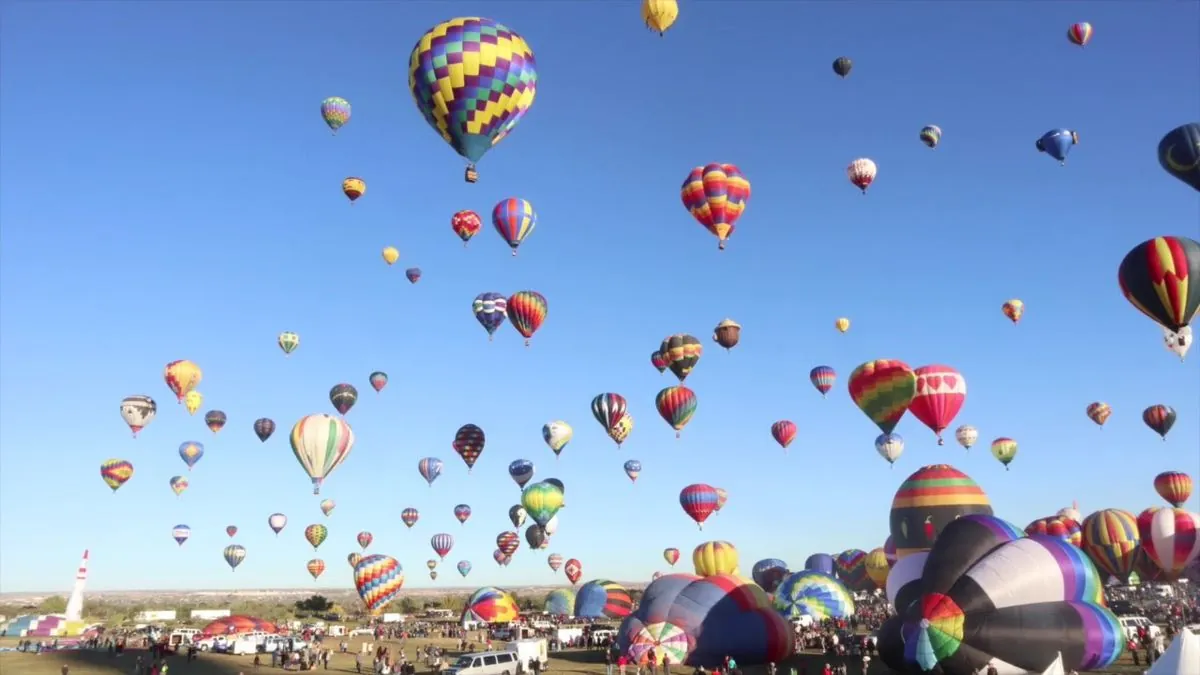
[[575, 662]]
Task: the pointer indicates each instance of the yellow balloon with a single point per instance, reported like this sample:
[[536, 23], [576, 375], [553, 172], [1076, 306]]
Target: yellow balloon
[[390, 255], [354, 188], [193, 401], [878, 567], [842, 324], [715, 557], [182, 377], [660, 15]]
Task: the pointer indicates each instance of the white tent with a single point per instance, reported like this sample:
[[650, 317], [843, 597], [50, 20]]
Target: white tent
[[1056, 667], [1181, 658]]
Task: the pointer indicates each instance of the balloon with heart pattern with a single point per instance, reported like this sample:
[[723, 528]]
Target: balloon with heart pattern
[[940, 394]]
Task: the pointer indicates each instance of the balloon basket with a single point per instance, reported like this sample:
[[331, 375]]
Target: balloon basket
[[471, 175]]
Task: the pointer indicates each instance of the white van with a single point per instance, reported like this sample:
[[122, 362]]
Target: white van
[[1131, 624], [248, 643], [184, 636], [485, 663], [214, 644]]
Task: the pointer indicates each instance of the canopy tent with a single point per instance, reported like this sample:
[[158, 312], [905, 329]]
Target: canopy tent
[[1181, 658]]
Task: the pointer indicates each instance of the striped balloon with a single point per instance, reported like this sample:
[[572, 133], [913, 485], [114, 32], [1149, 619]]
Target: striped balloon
[[527, 312], [715, 557], [699, 501], [1171, 539], [320, 443], [814, 594], [676, 405], [823, 378], [883, 390], [514, 219], [378, 579], [1173, 486], [1111, 539], [116, 472]]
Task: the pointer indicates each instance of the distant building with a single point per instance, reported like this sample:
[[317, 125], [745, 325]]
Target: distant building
[[209, 614], [156, 615]]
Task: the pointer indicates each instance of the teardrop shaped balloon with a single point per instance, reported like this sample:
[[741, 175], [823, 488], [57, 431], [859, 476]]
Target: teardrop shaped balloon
[[469, 442], [541, 501], [343, 397], [633, 469], [379, 380], [215, 420], [557, 435], [409, 517], [1160, 418], [320, 444], [716, 196], [430, 468], [413, 274], [966, 435], [1099, 412], [263, 428], [514, 220], [182, 377], [1174, 486], [521, 471], [115, 473], [364, 539], [327, 506], [527, 312], [823, 378], [940, 395], [178, 485], [784, 432], [677, 406], [315, 567], [490, 310], [277, 521], [466, 224], [448, 74], [335, 110], [883, 390], [288, 342], [316, 535], [378, 580], [234, 555], [138, 411], [462, 513]]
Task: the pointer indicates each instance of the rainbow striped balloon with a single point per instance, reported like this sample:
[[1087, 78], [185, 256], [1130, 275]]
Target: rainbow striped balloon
[[378, 579]]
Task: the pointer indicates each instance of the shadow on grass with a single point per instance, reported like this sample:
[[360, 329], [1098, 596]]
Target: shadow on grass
[[86, 662]]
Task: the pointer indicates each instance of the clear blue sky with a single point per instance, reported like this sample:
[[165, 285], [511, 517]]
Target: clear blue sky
[[170, 192]]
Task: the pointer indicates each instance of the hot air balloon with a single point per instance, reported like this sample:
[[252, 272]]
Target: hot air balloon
[[463, 513], [1057, 143], [526, 312], [379, 380], [784, 432], [178, 484], [1080, 33], [621, 432], [468, 443], [931, 135], [390, 255], [364, 539], [676, 405], [722, 497], [430, 468], [514, 219], [353, 559], [890, 447], [490, 309], [288, 342], [608, 409], [715, 557], [234, 555], [466, 224], [987, 594], [1156, 278], [182, 377], [1111, 540], [878, 567], [861, 173], [883, 390], [320, 443], [842, 324], [1179, 153], [215, 420], [335, 110], [413, 274], [181, 533], [521, 471], [573, 570], [1004, 450], [842, 66], [557, 434], [138, 411], [1160, 419], [1098, 412], [343, 397], [681, 353], [263, 428], [716, 196], [442, 543], [813, 594], [327, 506], [659, 15], [231, 530], [517, 515], [315, 567], [464, 567], [928, 500], [1171, 538], [469, 116], [699, 501], [193, 401], [820, 562], [191, 452], [941, 392], [633, 469], [658, 361], [409, 517], [1173, 486], [277, 521], [378, 579], [823, 378], [536, 537], [115, 473], [541, 501], [555, 561], [1013, 309], [508, 542], [727, 333], [671, 555], [966, 435], [316, 535], [354, 187], [491, 605]]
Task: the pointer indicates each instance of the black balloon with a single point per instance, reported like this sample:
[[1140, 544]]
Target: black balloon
[[1179, 153]]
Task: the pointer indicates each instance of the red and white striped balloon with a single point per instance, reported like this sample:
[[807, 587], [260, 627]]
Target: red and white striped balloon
[[1171, 537]]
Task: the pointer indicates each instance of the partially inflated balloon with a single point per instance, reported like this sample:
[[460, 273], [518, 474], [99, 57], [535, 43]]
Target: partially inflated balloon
[[715, 557], [473, 80]]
